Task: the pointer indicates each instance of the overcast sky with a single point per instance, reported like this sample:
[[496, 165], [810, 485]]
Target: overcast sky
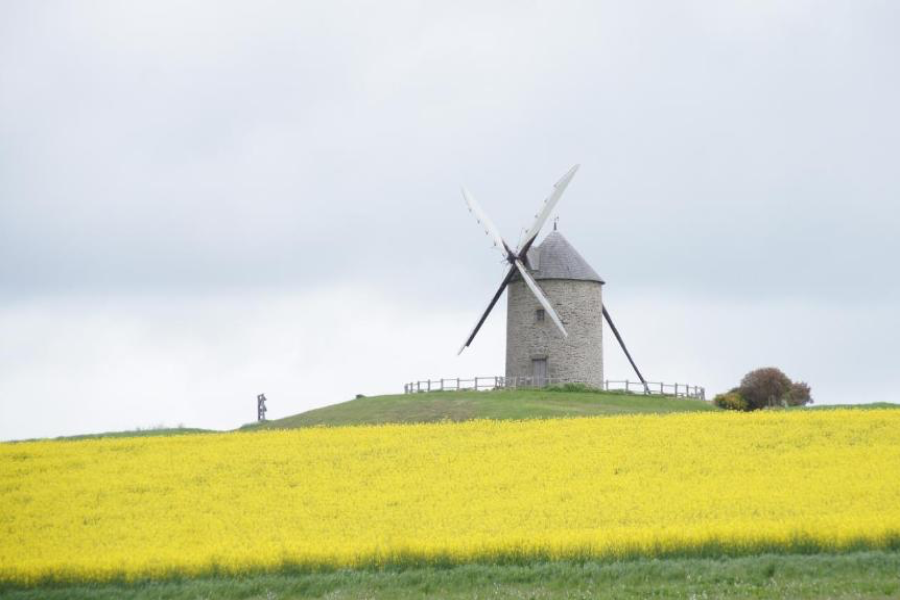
[[203, 201]]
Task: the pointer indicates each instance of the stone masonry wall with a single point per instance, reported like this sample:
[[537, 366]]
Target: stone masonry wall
[[578, 357]]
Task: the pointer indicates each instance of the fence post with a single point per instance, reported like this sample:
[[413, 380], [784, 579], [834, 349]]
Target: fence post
[[679, 390]]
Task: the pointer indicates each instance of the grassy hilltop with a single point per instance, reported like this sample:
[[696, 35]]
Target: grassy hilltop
[[433, 407], [466, 405]]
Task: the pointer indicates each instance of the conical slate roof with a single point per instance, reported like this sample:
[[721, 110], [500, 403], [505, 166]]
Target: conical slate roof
[[555, 258]]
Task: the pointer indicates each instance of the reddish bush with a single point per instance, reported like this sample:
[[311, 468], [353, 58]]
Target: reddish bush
[[799, 394], [764, 387]]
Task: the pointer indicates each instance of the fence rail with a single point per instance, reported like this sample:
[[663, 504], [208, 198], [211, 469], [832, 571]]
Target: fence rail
[[682, 390]]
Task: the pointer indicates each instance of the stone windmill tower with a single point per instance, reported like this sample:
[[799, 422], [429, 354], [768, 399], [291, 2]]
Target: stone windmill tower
[[555, 311], [535, 348]]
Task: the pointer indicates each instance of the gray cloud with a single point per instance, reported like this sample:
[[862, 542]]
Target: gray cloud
[[739, 153]]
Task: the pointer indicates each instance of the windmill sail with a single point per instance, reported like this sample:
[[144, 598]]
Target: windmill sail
[[516, 257], [485, 222], [546, 209]]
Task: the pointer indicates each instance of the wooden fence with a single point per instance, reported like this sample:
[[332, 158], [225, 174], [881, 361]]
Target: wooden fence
[[682, 390]]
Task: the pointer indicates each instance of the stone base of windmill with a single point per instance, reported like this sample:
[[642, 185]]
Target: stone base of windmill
[[536, 349]]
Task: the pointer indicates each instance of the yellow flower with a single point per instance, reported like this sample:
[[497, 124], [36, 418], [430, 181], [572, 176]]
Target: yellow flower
[[481, 490]]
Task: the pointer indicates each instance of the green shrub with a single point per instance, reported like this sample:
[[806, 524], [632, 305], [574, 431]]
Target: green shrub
[[731, 401]]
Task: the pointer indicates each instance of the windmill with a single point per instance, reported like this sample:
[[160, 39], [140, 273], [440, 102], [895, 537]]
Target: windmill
[[536, 351]]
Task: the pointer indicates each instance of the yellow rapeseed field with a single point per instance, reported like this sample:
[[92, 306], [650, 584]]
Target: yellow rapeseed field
[[482, 490]]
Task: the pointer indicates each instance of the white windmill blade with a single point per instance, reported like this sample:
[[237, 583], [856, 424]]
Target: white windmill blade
[[485, 221], [546, 209], [521, 239], [540, 296]]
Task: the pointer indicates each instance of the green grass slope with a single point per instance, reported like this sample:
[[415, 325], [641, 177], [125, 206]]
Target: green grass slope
[[860, 576], [498, 404], [871, 406], [151, 432]]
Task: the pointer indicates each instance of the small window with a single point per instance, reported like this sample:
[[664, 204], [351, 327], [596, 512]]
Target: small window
[[539, 314]]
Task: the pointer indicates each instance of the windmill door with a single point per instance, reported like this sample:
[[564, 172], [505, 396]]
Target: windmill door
[[539, 372]]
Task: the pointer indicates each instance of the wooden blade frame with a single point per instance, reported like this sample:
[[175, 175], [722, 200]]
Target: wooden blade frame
[[624, 349], [503, 284]]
